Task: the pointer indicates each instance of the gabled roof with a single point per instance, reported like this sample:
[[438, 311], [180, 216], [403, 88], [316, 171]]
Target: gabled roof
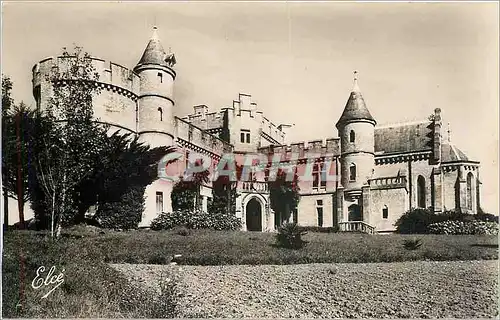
[[409, 137], [355, 108]]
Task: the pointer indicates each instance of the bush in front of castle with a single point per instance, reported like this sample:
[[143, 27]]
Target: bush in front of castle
[[196, 219]]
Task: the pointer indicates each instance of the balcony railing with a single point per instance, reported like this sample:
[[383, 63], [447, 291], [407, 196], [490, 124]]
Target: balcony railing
[[388, 182], [255, 186], [356, 226]]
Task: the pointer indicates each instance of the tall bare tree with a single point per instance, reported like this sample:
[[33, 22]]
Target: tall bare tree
[[66, 153]]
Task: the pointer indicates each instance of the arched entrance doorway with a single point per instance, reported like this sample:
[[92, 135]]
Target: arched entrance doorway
[[354, 213], [254, 215]]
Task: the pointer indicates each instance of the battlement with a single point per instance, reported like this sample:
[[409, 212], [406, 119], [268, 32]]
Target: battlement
[[196, 136], [111, 75], [324, 148], [204, 119]]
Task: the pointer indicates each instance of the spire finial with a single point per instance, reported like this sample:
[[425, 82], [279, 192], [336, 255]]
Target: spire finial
[[155, 34], [355, 86]]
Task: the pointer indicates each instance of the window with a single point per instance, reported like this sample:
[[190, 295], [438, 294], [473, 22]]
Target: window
[[160, 77], [159, 202], [469, 191], [323, 177], [385, 212], [320, 216], [161, 113], [316, 176], [245, 136], [352, 172], [352, 136], [421, 192], [187, 159], [319, 211]]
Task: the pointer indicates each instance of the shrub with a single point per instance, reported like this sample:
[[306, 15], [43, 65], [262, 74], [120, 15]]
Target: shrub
[[416, 221], [319, 229], [290, 236], [481, 216], [464, 227], [196, 220], [126, 213], [412, 244]]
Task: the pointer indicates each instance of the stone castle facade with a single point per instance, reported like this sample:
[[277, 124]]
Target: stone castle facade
[[384, 170]]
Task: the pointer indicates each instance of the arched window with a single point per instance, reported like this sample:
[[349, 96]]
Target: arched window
[[469, 190], [421, 192], [352, 136], [385, 212], [352, 172], [161, 113]]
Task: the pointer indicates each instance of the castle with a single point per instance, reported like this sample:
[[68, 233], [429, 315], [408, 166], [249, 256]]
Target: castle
[[384, 170]]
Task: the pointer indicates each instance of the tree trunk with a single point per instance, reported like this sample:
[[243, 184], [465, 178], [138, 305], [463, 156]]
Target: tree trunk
[[20, 195], [53, 215], [63, 207], [5, 208]]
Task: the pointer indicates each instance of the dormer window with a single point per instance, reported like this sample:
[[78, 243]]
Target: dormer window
[[352, 136]]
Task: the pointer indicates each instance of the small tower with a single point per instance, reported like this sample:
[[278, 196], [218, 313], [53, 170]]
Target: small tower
[[356, 130], [155, 119]]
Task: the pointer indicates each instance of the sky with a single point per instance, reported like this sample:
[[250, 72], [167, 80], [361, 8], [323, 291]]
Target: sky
[[295, 59]]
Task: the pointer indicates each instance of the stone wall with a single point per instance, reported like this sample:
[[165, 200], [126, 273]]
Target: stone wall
[[119, 89], [395, 200], [307, 210]]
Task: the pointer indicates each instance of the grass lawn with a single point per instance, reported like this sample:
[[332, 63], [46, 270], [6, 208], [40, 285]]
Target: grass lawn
[[204, 247], [93, 289]]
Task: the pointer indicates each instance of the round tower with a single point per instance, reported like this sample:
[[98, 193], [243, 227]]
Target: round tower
[[155, 119], [356, 129]]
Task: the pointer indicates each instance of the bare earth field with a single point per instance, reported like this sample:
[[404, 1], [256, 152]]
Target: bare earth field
[[417, 289]]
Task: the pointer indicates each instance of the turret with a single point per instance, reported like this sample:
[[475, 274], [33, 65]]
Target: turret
[[356, 129], [155, 102]]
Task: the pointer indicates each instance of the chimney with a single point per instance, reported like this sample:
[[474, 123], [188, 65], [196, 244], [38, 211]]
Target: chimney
[[201, 109], [437, 135]]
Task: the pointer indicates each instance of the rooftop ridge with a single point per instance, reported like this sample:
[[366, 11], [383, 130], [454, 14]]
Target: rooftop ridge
[[400, 124]]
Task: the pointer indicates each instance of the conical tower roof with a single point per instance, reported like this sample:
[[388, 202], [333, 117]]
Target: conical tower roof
[[355, 108], [154, 53]]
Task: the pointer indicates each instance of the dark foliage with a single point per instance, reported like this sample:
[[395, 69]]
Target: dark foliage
[[196, 220], [126, 213], [412, 244], [224, 196], [319, 229], [284, 195], [290, 236], [417, 221]]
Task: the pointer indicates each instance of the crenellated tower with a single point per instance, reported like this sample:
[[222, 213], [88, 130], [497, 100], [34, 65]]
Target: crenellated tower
[[356, 129], [155, 119]]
